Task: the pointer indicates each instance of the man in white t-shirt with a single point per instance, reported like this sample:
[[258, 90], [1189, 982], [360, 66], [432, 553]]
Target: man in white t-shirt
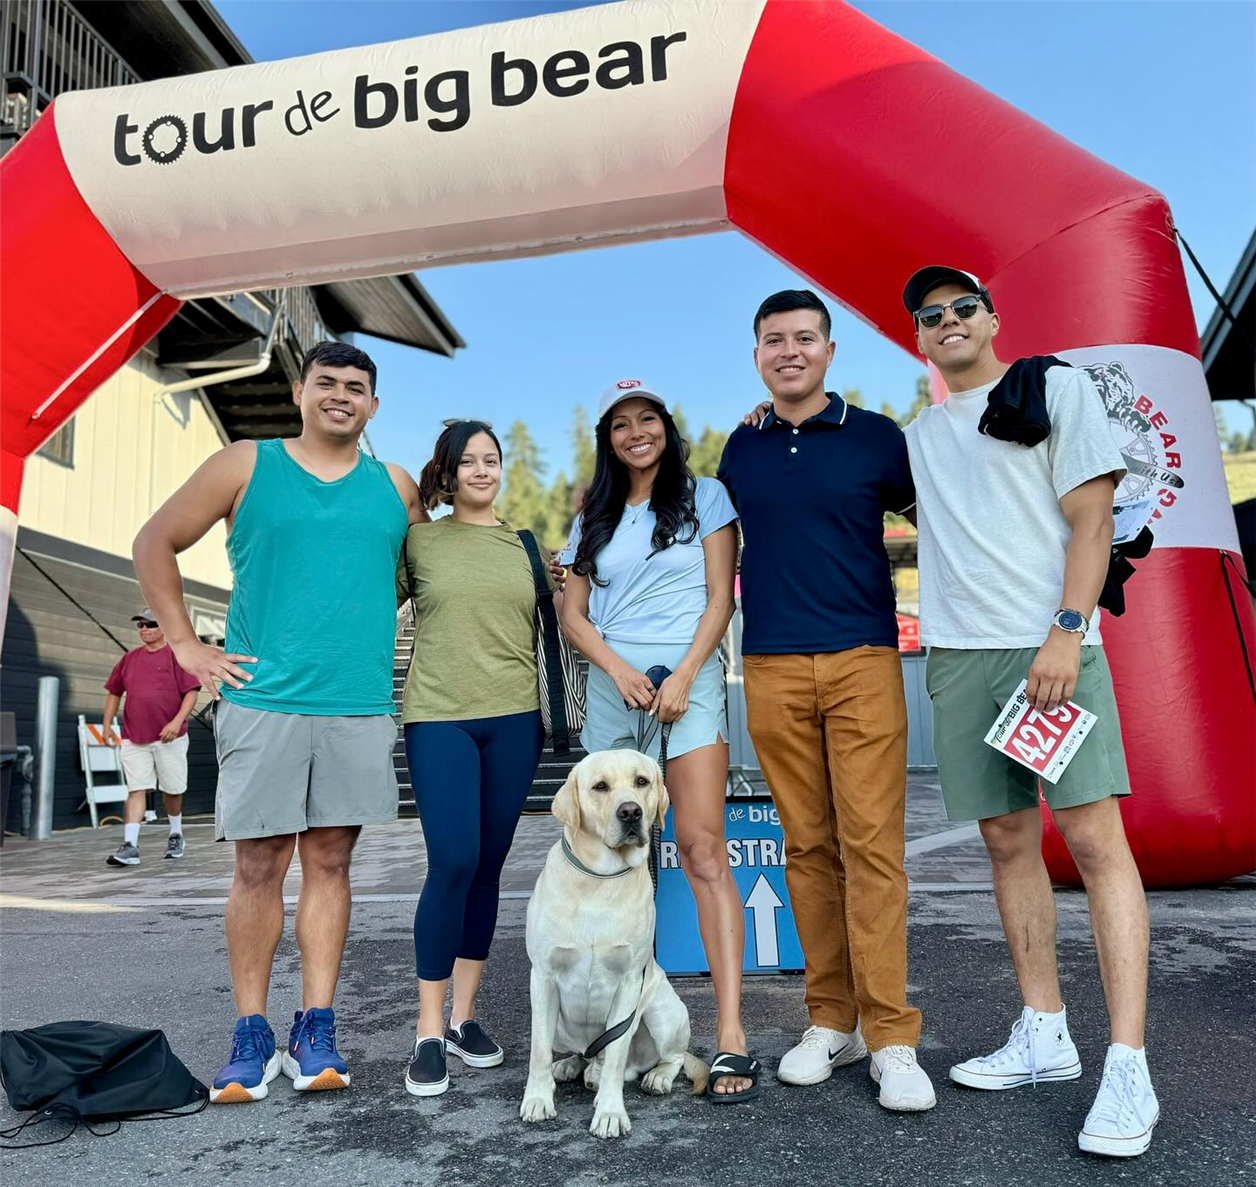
[[1015, 541]]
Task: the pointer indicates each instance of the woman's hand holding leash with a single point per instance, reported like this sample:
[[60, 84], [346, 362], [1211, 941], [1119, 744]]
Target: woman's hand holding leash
[[635, 687], [672, 699]]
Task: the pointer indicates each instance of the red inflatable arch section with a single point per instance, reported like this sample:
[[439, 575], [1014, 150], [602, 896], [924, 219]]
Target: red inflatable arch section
[[849, 153]]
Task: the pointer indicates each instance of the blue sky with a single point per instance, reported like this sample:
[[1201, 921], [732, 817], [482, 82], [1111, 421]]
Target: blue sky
[[1163, 91]]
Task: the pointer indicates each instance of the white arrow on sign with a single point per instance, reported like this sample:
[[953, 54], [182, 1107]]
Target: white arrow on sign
[[764, 903]]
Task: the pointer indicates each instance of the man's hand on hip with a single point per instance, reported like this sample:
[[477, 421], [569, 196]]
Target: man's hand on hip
[[212, 666]]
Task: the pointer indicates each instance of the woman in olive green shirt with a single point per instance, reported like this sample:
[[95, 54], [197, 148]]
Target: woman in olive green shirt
[[473, 733]]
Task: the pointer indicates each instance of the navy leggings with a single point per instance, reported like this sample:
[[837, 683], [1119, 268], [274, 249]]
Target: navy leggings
[[470, 780]]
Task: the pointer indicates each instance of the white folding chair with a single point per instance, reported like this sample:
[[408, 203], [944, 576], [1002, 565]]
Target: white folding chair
[[100, 759]]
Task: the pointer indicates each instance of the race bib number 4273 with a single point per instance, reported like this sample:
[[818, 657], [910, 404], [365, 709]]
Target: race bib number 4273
[[1043, 742]]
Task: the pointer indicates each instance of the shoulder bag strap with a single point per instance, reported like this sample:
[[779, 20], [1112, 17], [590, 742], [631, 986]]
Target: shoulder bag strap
[[550, 637]]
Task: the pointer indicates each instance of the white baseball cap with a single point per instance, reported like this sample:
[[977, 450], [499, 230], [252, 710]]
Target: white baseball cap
[[627, 389]]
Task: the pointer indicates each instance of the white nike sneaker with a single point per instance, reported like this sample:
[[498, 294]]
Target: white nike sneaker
[[818, 1052], [1125, 1111], [1038, 1049], [905, 1087]]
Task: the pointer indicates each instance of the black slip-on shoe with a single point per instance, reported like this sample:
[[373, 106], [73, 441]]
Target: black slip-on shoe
[[472, 1045], [427, 1074]]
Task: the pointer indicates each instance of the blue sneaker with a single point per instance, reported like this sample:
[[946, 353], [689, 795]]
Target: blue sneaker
[[311, 1061], [254, 1063]]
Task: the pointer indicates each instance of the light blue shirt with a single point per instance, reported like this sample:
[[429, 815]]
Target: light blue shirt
[[655, 598]]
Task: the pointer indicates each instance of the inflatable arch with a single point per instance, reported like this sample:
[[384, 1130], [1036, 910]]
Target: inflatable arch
[[849, 153]]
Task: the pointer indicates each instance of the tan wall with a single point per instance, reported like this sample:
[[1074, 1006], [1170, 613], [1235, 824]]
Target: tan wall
[[131, 452]]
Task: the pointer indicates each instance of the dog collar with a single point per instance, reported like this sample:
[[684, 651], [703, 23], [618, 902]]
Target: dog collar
[[572, 859]]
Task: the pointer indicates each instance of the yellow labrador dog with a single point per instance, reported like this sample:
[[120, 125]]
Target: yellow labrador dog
[[591, 943]]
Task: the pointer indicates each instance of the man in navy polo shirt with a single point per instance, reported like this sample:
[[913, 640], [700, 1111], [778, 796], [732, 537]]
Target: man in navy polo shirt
[[824, 693]]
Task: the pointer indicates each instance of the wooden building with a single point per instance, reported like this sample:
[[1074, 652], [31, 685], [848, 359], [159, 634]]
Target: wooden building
[[94, 483]]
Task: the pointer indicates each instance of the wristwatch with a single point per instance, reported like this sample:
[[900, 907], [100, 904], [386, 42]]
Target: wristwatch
[[1073, 621]]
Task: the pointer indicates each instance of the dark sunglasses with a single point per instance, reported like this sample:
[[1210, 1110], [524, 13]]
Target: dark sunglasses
[[962, 307], [144, 625]]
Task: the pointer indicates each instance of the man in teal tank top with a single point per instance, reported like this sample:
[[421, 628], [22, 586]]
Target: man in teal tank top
[[304, 725]]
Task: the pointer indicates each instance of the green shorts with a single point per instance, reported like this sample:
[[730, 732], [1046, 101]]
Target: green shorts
[[968, 688]]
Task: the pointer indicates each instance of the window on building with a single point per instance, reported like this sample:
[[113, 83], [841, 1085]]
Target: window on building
[[60, 446]]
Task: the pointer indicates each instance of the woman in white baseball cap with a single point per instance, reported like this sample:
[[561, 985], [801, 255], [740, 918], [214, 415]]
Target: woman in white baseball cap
[[652, 560]]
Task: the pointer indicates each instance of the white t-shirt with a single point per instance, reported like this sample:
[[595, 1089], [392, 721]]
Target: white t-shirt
[[653, 597], [992, 535]]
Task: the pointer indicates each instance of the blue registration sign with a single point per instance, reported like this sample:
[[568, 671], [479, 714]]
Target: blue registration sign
[[756, 853]]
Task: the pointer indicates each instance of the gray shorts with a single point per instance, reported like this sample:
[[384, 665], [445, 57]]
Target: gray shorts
[[281, 773]]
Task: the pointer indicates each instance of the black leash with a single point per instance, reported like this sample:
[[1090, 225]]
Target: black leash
[[61, 589], [72, 599], [1216, 296], [1234, 609], [615, 1032], [656, 833], [612, 1033], [645, 735]]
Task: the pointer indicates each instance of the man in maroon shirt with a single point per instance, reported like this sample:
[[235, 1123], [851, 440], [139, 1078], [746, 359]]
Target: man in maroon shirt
[[159, 697]]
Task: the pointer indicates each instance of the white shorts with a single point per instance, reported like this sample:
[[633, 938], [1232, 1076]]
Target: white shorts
[[161, 765]]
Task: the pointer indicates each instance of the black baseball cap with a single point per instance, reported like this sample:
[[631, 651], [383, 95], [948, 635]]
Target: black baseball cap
[[928, 278]]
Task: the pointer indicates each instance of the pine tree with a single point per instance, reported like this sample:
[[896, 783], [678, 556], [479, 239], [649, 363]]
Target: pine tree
[[583, 447], [704, 460], [923, 399], [525, 503], [1223, 430], [682, 425], [561, 513]]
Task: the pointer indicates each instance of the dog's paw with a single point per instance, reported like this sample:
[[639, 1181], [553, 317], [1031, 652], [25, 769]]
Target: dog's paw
[[593, 1076], [610, 1123], [537, 1106], [568, 1069], [658, 1080]]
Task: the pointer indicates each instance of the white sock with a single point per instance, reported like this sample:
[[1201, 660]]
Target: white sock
[[176, 824], [131, 834]]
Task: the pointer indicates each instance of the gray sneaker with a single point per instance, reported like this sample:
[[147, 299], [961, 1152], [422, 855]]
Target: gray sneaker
[[174, 846], [127, 855]]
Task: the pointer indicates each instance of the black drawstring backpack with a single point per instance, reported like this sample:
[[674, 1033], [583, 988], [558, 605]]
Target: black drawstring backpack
[[81, 1071]]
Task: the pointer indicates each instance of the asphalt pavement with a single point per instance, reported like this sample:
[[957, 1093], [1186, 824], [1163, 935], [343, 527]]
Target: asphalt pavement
[[145, 948]]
